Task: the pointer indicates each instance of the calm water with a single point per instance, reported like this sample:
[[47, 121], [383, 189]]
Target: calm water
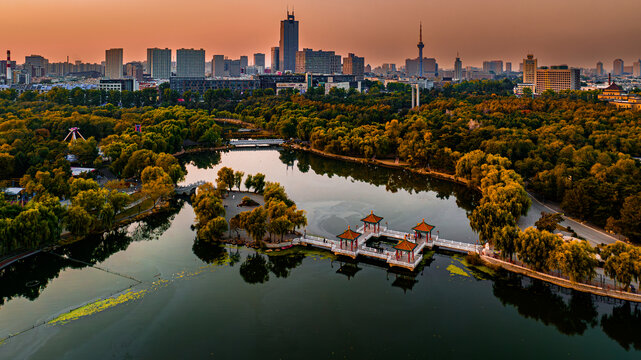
[[203, 301]]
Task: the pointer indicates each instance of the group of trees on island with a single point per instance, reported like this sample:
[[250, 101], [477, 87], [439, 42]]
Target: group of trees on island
[[277, 216]]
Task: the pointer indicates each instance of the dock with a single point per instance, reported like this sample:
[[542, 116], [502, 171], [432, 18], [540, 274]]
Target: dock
[[408, 260]]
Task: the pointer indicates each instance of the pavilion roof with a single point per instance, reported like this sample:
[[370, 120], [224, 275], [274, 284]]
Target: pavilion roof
[[372, 219], [405, 245], [349, 234], [423, 227], [614, 86]]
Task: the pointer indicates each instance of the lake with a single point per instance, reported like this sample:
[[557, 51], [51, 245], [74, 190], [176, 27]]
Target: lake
[[175, 297]]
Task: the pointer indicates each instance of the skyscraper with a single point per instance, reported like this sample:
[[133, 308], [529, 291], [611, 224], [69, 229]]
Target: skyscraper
[[420, 50], [529, 69], [259, 60], [218, 65], [599, 68], [354, 65], [244, 63], [275, 59], [288, 43], [617, 67], [494, 66], [113, 64], [508, 67], [159, 63], [636, 68], [190, 63], [458, 68]]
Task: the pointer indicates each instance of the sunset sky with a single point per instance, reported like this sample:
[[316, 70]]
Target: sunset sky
[[573, 32]]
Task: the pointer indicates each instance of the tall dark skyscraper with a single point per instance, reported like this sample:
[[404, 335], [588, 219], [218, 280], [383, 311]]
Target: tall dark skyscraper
[[420, 51], [288, 43]]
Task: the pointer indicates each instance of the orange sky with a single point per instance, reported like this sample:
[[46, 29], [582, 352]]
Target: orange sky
[[574, 32]]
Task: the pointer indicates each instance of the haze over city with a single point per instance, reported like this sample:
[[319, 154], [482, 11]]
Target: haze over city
[[558, 32]]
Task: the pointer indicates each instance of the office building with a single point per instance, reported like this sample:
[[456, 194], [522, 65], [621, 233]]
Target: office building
[[636, 68], [557, 78], [244, 63], [118, 85], [159, 63], [430, 67], [529, 69], [493, 67], [190, 63], [288, 43], [218, 66], [317, 62], [627, 70], [508, 67], [354, 65], [599, 69], [458, 69], [275, 65], [617, 67], [36, 65], [259, 60], [113, 64]]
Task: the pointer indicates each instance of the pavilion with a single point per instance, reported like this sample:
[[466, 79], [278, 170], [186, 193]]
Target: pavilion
[[423, 228], [372, 220], [403, 247], [349, 236]]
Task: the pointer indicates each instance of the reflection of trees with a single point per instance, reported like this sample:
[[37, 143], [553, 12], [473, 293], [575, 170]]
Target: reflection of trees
[[152, 227], [254, 269], [287, 157], [281, 265], [624, 325], [538, 301], [392, 179], [209, 252], [202, 160], [38, 270]]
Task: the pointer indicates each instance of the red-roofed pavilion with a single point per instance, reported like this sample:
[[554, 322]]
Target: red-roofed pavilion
[[407, 247], [423, 228], [349, 236], [372, 220]]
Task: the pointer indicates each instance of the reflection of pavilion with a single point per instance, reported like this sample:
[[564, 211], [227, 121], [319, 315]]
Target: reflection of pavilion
[[403, 279], [348, 269]]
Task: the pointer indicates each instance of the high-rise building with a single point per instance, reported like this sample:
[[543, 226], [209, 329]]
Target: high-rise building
[[259, 60], [508, 67], [190, 63], [159, 63], [36, 65], [235, 68], [354, 65], [636, 68], [420, 50], [557, 78], [275, 66], [244, 63], [134, 70], [218, 65], [617, 67], [529, 69], [430, 67], [599, 69], [318, 62], [493, 67], [458, 69], [288, 43], [113, 64]]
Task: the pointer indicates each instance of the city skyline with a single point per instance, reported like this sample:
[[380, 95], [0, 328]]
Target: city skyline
[[380, 32]]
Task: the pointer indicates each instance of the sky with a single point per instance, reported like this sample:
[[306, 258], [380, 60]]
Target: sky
[[572, 32]]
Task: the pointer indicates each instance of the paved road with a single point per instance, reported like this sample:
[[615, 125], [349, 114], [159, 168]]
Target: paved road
[[592, 234]]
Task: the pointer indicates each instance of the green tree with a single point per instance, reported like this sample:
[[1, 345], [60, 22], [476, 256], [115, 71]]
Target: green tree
[[238, 179], [576, 260], [548, 221], [156, 184], [78, 221], [536, 247], [225, 178]]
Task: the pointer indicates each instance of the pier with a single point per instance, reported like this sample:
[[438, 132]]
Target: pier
[[407, 253], [255, 142]]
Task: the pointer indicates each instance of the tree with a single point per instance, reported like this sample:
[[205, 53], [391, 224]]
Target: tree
[[548, 221], [156, 184], [225, 178], [249, 182], [576, 260], [170, 164], [78, 221], [280, 226], [629, 224], [622, 263], [213, 229], [505, 240], [258, 182], [488, 218], [536, 247], [255, 223], [238, 179]]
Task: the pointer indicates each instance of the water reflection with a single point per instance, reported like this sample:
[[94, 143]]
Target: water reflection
[[29, 277], [624, 325]]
